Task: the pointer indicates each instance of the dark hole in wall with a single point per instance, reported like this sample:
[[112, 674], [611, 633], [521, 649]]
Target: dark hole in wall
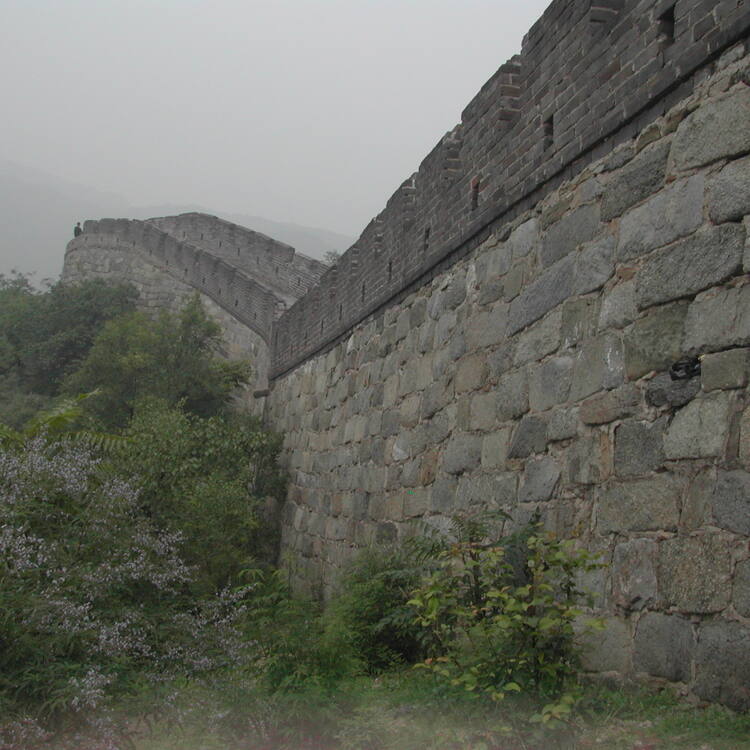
[[548, 129], [341, 310], [665, 27], [475, 183], [363, 291], [390, 270], [236, 303], [426, 240]]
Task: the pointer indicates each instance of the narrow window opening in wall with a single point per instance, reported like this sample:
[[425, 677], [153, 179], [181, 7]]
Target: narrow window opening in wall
[[426, 240], [363, 291], [390, 270], [186, 271], [665, 27], [236, 303], [238, 252], [203, 281], [549, 131], [321, 326], [341, 310], [255, 316], [201, 235], [475, 183], [219, 243], [276, 270], [299, 280]]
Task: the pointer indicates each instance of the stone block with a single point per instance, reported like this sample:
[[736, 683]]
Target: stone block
[[722, 664], [501, 359], [635, 182], [610, 405], [530, 436], [599, 364], [707, 258], [663, 646], [524, 238], [495, 449], [618, 307], [443, 495], [486, 491], [562, 424], [655, 341], [741, 588], [731, 501], [579, 320], [673, 213], [634, 584], [718, 320], [700, 429], [573, 229], [606, 650], [540, 340], [720, 128], [416, 502], [694, 573], [551, 288], [589, 459], [594, 265], [729, 192], [512, 395], [483, 416], [549, 383], [651, 504], [513, 281], [463, 453], [471, 373], [663, 391], [725, 370], [639, 447], [487, 328], [540, 477]]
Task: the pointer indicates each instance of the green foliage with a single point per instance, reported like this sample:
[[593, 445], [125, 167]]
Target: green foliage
[[172, 358], [496, 628], [370, 615]]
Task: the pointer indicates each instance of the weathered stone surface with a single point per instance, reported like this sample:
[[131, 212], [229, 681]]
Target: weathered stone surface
[[599, 364], [634, 574], [575, 228], [663, 391], [718, 129], [443, 494], [463, 453], [694, 573], [606, 650], [530, 436], [540, 477], [471, 373], [729, 192], [550, 383], [741, 588], [579, 320], [495, 449], [512, 395], [641, 505], [487, 328], [699, 429], [524, 238], [618, 308], [655, 341], [718, 320], [722, 663], [553, 286], [635, 182], [483, 412], [725, 370], [663, 646], [673, 213], [639, 447], [588, 459], [594, 265], [540, 340], [731, 501], [486, 490], [562, 424], [611, 405], [691, 265]]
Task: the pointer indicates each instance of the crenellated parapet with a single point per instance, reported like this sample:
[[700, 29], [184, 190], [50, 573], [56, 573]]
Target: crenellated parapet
[[591, 74]]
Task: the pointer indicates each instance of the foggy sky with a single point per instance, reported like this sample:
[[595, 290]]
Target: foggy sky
[[310, 111]]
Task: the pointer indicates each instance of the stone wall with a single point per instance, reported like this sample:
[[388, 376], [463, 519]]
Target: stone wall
[[533, 374]]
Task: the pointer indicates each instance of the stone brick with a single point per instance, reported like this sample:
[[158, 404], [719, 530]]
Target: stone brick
[[540, 340], [641, 505], [718, 320], [549, 383], [524, 238], [416, 502], [486, 329], [610, 405], [554, 286], [471, 373], [588, 459], [691, 265], [725, 370], [443, 495], [638, 180], [741, 588], [575, 228], [673, 213], [562, 424], [618, 307], [663, 391], [663, 646], [530, 436], [606, 650], [699, 429], [579, 320], [463, 453], [495, 449], [483, 415], [729, 192], [512, 395], [639, 447], [634, 574], [694, 573], [655, 341], [731, 501], [722, 662], [594, 265], [599, 364], [486, 490], [719, 128], [540, 477]]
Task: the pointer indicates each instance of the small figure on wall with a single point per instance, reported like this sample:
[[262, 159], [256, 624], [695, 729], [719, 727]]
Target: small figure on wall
[[77, 229]]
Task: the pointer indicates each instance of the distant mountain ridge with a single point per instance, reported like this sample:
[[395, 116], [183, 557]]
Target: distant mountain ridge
[[38, 212]]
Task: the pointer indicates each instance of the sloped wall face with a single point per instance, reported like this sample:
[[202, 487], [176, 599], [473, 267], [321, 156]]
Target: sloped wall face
[[106, 257], [534, 374]]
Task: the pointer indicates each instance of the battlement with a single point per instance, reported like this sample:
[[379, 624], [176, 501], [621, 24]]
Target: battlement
[[591, 74]]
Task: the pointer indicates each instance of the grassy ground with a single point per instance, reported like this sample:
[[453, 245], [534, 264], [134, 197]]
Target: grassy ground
[[404, 711]]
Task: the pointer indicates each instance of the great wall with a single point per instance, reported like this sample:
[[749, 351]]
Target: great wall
[[502, 334]]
